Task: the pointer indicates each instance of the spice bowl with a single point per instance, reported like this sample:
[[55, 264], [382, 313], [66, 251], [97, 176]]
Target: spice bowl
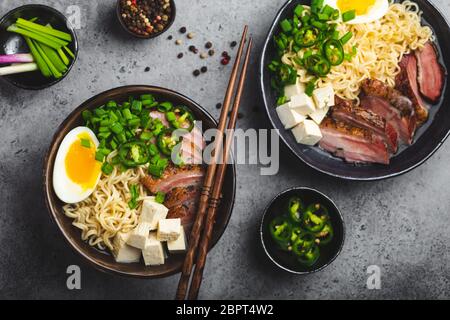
[[126, 25], [11, 43], [284, 259]]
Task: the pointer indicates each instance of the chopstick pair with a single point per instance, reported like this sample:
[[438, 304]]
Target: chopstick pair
[[210, 196]]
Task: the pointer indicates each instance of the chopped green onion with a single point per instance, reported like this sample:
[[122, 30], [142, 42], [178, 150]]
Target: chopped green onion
[[43, 67], [286, 25], [160, 197], [346, 38], [349, 15], [86, 143], [299, 10], [165, 106], [99, 156], [107, 168], [117, 128]]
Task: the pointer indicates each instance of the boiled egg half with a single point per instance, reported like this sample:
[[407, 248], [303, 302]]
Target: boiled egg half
[[76, 171], [366, 10]]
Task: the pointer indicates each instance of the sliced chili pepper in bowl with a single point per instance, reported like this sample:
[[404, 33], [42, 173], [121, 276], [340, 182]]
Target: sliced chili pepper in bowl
[[167, 140], [307, 36], [334, 52], [310, 257], [312, 222], [295, 209], [326, 235], [281, 231], [133, 154]]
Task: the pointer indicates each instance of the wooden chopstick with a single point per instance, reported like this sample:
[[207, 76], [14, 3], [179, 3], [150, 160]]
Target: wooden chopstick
[[209, 178], [217, 190]]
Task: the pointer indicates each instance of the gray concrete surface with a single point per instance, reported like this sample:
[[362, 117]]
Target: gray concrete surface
[[401, 225]]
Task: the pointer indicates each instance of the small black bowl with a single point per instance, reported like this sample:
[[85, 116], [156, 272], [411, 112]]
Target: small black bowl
[[284, 260], [11, 43], [153, 35]]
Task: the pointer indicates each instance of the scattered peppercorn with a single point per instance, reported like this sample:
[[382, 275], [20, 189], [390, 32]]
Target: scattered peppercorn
[[146, 17], [170, 37], [208, 45], [225, 54], [225, 61], [192, 48], [218, 106], [183, 30], [204, 69], [233, 44], [203, 55], [147, 69], [196, 72], [180, 55], [211, 52], [178, 42], [190, 35]]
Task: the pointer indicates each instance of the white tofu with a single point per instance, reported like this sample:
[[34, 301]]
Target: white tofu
[[294, 90], [124, 253], [324, 97], [169, 229], [307, 133], [153, 251], [289, 117], [139, 236], [319, 115], [152, 212], [302, 104], [179, 245]]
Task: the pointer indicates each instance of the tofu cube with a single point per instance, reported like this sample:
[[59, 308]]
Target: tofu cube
[[302, 104], [152, 212], [294, 89], [139, 236], [153, 252], [169, 229], [289, 117], [307, 133], [324, 97], [319, 115], [179, 245], [124, 253]]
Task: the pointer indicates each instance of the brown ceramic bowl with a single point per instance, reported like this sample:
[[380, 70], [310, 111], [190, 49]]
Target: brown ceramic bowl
[[101, 259], [153, 35]]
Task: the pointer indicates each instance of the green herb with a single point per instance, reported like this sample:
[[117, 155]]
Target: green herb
[[107, 168], [133, 203]]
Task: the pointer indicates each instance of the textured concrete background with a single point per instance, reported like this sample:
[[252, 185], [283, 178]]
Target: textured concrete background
[[400, 225]]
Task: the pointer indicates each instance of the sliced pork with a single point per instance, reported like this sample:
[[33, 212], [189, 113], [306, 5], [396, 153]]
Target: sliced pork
[[175, 177], [346, 111], [377, 88], [352, 143], [405, 126], [182, 203], [406, 82], [431, 74]]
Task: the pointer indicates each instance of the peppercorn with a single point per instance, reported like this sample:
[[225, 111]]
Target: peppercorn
[[233, 44], [208, 45], [211, 52], [225, 61], [183, 30], [180, 55], [204, 69], [196, 72], [147, 69], [218, 106], [169, 37]]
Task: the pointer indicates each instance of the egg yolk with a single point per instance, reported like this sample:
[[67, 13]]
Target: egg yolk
[[80, 163], [360, 6]]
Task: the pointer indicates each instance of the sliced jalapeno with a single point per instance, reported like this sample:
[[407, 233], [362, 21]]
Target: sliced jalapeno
[[183, 119], [318, 65], [281, 232], [310, 257], [334, 52], [307, 37], [167, 141], [312, 222], [303, 244], [326, 235], [133, 154], [295, 209]]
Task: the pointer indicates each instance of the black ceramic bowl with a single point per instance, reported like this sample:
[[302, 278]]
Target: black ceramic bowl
[[427, 140], [11, 43], [285, 260], [101, 259], [153, 35]]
